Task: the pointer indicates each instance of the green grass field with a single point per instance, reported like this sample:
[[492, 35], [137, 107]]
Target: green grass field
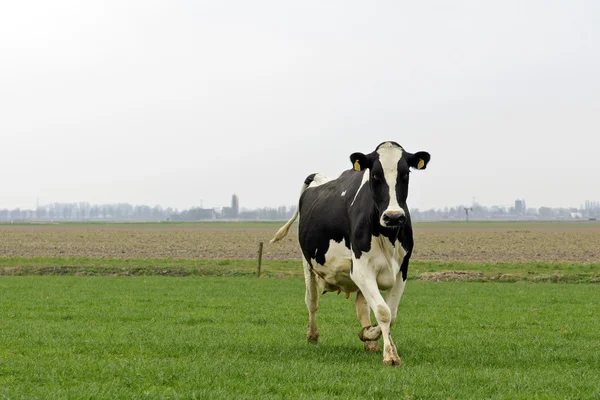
[[427, 270], [93, 313], [242, 337]]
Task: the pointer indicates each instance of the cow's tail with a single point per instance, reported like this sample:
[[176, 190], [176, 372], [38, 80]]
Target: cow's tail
[[283, 231]]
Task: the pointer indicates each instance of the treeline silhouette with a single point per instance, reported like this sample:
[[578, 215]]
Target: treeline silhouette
[[123, 212]]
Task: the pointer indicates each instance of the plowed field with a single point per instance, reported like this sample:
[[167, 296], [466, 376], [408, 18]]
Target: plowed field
[[475, 242]]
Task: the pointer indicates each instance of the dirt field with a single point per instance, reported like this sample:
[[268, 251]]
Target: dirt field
[[477, 242]]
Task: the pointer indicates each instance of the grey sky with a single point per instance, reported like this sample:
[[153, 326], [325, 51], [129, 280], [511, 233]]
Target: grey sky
[[176, 101]]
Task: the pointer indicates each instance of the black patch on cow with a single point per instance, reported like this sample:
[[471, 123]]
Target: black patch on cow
[[324, 216], [309, 179], [413, 159]]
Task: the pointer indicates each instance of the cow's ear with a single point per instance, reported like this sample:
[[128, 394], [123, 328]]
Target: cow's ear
[[360, 161], [419, 160]]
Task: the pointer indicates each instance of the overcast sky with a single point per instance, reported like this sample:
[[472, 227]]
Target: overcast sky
[[177, 102]]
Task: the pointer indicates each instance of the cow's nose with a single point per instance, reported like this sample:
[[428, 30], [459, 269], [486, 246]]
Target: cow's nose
[[394, 218]]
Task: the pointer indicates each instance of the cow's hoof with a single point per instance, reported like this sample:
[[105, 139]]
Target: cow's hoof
[[393, 362], [372, 346], [370, 333], [312, 337], [390, 355]]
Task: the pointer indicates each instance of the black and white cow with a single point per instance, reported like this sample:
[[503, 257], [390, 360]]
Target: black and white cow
[[356, 236]]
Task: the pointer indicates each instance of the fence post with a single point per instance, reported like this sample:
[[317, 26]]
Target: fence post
[[260, 248]]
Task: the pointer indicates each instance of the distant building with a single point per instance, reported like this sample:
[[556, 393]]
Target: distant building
[[232, 212], [235, 205], [520, 207]]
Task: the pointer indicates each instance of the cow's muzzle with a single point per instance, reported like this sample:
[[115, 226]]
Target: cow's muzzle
[[393, 218]]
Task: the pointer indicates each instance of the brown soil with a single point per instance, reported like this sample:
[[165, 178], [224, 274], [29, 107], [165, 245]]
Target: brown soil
[[444, 276], [493, 245]]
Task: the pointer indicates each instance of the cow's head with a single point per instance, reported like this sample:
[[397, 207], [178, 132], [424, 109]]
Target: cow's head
[[388, 170]]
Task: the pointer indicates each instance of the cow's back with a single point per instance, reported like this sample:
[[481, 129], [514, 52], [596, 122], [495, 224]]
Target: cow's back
[[324, 215]]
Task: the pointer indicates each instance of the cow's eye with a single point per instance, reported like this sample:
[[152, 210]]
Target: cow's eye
[[404, 178], [376, 177]]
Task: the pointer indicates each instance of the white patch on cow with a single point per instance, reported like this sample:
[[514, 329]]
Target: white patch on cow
[[389, 156], [312, 302], [393, 297], [376, 270], [384, 261], [318, 180], [399, 251], [336, 271], [367, 273], [364, 180], [343, 193]]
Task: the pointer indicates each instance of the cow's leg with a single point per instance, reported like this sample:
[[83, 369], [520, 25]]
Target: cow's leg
[[312, 303], [394, 295], [369, 333], [366, 281]]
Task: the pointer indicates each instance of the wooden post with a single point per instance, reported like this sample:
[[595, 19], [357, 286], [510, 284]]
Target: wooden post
[[260, 248]]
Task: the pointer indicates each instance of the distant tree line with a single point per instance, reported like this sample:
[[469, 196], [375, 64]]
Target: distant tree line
[[122, 212], [126, 212], [479, 212]]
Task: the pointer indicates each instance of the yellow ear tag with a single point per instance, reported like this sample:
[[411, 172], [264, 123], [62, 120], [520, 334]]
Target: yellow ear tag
[[356, 166], [421, 164]]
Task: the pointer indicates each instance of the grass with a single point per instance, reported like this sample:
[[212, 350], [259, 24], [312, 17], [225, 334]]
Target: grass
[[145, 267], [214, 337], [426, 270]]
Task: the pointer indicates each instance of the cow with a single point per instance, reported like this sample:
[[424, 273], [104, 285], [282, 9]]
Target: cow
[[356, 236]]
